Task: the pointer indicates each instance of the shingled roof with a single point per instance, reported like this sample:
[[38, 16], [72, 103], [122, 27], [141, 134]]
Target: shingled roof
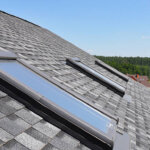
[[21, 128]]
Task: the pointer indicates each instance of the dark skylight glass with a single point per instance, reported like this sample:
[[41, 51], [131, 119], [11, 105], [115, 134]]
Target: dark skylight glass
[[61, 98]]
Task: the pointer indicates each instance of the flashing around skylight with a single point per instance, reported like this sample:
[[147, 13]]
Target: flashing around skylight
[[58, 101], [5, 54], [116, 72], [77, 62]]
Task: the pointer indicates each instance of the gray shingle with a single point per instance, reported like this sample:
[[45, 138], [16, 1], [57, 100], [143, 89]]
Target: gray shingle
[[5, 108], [50, 147], [15, 104], [29, 142], [4, 136], [46, 128], [38, 135], [68, 139], [1, 143], [56, 142], [48, 52], [1, 115], [13, 145], [28, 116], [13, 124], [28, 137]]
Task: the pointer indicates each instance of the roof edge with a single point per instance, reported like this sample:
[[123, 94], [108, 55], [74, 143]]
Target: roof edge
[[1, 11]]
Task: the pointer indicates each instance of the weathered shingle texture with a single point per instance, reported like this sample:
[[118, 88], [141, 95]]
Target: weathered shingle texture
[[22, 129]]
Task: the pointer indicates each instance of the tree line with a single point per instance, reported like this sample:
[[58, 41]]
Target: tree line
[[130, 65]]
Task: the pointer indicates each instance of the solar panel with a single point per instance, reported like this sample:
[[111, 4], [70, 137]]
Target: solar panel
[[81, 113], [99, 76]]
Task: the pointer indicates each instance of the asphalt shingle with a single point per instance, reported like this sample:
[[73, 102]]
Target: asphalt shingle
[[13, 124], [29, 142], [5, 136], [28, 116], [38, 135], [48, 52], [46, 128], [13, 145], [24, 130]]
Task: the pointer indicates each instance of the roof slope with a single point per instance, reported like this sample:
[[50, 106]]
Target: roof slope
[[21, 129], [48, 52]]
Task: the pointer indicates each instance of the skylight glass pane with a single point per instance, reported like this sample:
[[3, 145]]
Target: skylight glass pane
[[64, 100]]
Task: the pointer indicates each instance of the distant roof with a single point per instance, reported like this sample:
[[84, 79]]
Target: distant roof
[[21, 128], [141, 79]]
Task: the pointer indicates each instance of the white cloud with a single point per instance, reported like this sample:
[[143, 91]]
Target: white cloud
[[92, 52]]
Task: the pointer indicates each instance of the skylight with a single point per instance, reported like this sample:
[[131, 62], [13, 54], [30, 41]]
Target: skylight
[[84, 116], [116, 72], [114, 85], [35, 90]]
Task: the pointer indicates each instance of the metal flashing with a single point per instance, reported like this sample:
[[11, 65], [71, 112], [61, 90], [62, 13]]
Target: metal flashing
[[4, 54], [122, 142], [76, 59], [127, 97], [116, 72], [97, 75]]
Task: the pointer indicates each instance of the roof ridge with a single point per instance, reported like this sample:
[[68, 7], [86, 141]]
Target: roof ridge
[[1, 11]]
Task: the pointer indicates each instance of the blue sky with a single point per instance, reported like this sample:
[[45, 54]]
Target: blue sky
[[101, 27]]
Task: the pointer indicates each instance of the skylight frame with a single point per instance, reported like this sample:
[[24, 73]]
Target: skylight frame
[[7, 55], [108, 138], [112, 140], [80, 97], [116, 72], [76, 61]]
